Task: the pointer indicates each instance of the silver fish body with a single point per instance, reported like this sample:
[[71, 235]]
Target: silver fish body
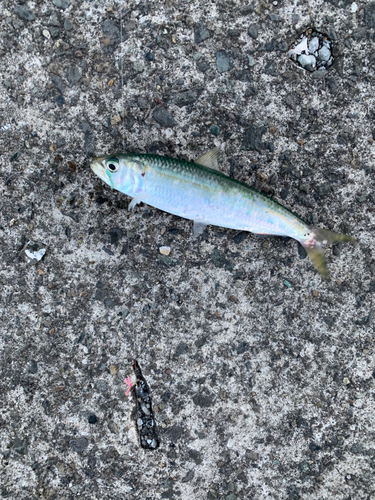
[[207, 196]]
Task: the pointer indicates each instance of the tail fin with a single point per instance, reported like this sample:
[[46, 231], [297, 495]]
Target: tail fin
[[314, 246]]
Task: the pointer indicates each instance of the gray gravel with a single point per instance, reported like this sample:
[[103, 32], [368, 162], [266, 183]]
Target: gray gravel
[[261, 374]]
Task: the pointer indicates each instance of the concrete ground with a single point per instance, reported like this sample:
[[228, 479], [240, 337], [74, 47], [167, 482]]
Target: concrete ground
[[261, 373]]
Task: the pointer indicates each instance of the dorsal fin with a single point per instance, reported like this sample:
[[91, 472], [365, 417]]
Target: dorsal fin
[[210, 159]]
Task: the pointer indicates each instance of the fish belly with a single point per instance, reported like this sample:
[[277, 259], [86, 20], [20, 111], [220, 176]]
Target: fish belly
[[221, 202]]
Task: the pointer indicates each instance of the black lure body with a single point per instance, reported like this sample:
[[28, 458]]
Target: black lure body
[[142, 413]]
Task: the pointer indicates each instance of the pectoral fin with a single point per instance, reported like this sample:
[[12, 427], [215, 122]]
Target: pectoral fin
[[139, 198]]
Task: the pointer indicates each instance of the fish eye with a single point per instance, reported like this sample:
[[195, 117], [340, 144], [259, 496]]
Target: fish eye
[[112, 165]]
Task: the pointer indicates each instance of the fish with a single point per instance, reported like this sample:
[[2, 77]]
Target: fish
[[199, 191]]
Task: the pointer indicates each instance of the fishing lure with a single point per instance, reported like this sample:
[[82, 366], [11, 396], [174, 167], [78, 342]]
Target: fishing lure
[[198, 191], [142, 415]]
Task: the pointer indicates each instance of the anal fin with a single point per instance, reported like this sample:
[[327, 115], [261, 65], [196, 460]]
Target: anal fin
[[199, 227]]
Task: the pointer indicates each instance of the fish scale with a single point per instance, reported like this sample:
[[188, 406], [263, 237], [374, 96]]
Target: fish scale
[[196, 191]]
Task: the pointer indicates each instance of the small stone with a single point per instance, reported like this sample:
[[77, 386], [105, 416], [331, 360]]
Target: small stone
[[203, 65], [313, 446], [59, 100], [61, 4], [270, 68], [79, 445], [72, 75], [313, 45], [130, 25], [251, 61], [46, 34], [270, 46], [124, 313], [189, 476], [24, 13], [369, 15], [67, 25], [115, 120], [111, 38], [356, 448], [318, 75], [185, 98], [275, 18], [149, 56], [165, 250], [33, 366], [20, 446], [295, 18], [214, 129], [58, 83], [201, 33], [252, 455], [346, 381], [332, 34], [138, 67], [305, 188], [324, 54], [234, 33], [92, 419], [113, 370], [243, 347], [287, 284], [253, 31], [35, 251], [202, 400], [54, 31], [252, 139], [306, 61], [164, 119], [222, 61], [197, 56], [282, 46]]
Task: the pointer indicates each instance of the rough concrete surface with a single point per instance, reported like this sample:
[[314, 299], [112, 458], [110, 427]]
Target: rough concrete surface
[[261, 373]]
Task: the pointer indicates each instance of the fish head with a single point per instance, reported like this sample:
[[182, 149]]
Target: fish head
[[122, 172]]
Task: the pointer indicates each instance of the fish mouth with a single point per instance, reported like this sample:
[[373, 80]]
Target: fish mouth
[[98, 168]]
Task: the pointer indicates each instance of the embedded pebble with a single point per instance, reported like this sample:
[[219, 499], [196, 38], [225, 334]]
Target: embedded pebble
[[253, 31], [24, 13], [222, 61], [324, 54], [165, 250], [314, 45], [67, 25], [35, 251], [306, 61], [251, 61]]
